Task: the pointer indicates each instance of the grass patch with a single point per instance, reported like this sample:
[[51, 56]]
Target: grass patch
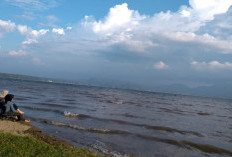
[[12, 145]]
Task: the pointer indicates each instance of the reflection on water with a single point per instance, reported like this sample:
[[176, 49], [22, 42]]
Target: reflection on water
[[123, 122]]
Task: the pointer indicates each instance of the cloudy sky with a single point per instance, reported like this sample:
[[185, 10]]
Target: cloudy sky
[[146, 42]]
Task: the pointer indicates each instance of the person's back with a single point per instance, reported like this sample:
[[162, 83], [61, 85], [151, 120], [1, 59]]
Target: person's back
[[2, 101], [2, 108], [9, 107]]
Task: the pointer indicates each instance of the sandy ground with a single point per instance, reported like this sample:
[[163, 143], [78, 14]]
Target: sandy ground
[[15, 128], [25, 129]]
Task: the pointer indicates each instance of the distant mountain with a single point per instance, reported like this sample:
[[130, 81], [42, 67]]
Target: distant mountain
[[218, 90], [21, 77], [110, 83]]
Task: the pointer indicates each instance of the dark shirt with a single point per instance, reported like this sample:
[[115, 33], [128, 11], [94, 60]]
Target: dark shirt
[[2, 107]]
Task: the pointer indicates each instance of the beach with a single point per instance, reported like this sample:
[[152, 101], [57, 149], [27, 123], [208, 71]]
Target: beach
[[25, 129], [19, 133]]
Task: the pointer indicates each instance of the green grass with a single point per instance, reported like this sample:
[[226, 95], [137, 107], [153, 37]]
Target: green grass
[[12, 146]]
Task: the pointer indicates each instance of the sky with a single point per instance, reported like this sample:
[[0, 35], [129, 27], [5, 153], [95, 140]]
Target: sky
[[161, 42]]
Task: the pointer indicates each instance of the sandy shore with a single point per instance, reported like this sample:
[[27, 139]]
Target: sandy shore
[[24, 129]]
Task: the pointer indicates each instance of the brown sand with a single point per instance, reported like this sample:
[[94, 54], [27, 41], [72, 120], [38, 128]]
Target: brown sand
[[13, 127], [24, 129]]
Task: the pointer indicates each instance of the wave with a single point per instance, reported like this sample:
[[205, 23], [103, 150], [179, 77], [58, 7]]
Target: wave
[[115, 102], [42, 109], [121, 122], [186, 144], [55, 105], [70, 114], [78, 127], [102, 148]]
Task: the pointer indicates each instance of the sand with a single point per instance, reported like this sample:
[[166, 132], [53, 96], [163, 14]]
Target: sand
[[25, 129], [15, 128]]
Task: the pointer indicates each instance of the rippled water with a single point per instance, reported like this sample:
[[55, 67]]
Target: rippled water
[[124, 122]]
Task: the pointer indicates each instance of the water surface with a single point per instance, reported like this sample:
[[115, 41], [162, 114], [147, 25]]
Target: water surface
[[122, 122]]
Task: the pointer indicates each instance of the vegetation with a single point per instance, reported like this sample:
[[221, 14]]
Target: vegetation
[[25, 146]]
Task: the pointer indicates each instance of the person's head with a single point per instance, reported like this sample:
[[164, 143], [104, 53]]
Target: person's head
[[9, 97], [4, 93]]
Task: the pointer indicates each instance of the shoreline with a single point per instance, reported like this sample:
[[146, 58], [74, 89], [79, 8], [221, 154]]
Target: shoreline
[[25, 130]]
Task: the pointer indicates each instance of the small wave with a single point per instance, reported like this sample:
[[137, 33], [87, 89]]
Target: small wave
[[42, 109], [69, 100], [204, 114], [151, 127], [55, 105], [101, 147], [185, 144], [173, 111], [115, 102], [70, 114], [77, 127]]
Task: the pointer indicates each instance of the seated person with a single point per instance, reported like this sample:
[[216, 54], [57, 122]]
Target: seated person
[[2, 100], [12, 109]]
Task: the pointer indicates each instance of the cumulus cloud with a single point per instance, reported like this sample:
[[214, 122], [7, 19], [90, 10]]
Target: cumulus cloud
[[6, 26], [204, 40], [208, 8], [122, 25], [33, 35], [69, 28], [59, 31], [17, 53], [132, 33], [22, 29], [213, 65], [160, 66], [188, 19], [118, 16]]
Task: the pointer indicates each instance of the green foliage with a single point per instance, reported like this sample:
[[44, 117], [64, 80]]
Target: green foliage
[[11, 146]]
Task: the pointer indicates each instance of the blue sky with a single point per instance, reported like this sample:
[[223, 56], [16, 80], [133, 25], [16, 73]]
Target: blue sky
[[146, 42]]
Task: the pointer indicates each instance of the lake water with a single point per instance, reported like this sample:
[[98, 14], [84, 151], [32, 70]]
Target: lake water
[[124, 122]]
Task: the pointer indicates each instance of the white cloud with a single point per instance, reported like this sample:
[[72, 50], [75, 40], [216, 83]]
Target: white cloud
[[205, 40], [118, 17], [213, 65], [6, 26], [208, 8], [34, 4], [187, 19], [17, 53], [69, 28], [160, 66], [122, 25], [58, 31], [22, 29], [33, 35]]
